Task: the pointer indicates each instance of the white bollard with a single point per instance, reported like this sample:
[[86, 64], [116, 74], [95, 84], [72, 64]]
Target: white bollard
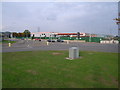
[[107, 41], [101, 41], [111, 41], [116, 41], [67, 42], [9, 44], [47, 43]]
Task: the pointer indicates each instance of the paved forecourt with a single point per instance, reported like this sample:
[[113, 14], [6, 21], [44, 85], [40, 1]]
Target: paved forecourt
[[30, 45]]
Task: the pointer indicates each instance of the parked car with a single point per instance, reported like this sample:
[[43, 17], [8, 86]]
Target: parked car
[[49, 40], [59, 40], [22, 39], [53, 40], [37, 39]]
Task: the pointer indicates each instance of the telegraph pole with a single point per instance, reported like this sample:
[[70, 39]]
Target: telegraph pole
[[89, 37], [118, 19], [39, 31]]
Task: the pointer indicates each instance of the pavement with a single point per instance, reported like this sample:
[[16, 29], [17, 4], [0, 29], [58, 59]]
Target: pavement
[[30, 45]]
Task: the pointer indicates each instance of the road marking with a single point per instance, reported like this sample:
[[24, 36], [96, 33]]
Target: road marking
[[29, 46]]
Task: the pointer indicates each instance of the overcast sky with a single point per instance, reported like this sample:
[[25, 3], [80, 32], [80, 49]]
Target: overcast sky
[[92, 17]]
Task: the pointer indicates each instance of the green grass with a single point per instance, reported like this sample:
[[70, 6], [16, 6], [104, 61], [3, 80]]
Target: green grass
[[50, 69], [8, 41]]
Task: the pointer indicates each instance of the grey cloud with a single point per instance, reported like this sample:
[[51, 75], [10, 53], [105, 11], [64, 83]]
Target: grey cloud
[[61, 17]]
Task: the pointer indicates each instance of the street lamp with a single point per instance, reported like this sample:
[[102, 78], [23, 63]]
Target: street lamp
[[40, 36], [89, 37]]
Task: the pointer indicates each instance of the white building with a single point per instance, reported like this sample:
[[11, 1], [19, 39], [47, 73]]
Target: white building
[[44, 34]]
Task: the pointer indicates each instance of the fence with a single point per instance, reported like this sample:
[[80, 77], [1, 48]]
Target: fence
[[87, 39]]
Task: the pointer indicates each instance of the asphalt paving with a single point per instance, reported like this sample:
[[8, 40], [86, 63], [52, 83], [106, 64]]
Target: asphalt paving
[[30, 45]]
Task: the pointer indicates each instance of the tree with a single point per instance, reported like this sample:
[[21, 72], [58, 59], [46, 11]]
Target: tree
[[14, 34], [33, 36], [27, 33], [118, 20], [22, 34], [116, 38], [19, 35]]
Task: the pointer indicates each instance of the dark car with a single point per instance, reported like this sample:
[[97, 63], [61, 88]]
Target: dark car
[[22, 39], [59, 40], [50, 40], [53, 40]]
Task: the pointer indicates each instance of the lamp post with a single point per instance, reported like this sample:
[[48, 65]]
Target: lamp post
[[40, 36], [89, 37]]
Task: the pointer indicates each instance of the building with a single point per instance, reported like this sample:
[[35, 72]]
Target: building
[[44, 34], [56, 34], [6, 34], [71, 34]]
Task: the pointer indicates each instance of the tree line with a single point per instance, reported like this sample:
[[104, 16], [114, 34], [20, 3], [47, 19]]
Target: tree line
[[26, 33]]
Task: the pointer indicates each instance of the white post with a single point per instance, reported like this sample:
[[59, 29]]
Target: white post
[[9, 44], [90, 38], [47, 43], [67, 41]]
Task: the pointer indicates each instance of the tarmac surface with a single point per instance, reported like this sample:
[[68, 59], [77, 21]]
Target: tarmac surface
[[30, 45]]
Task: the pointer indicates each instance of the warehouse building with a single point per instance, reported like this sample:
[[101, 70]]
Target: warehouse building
[[56, 34], [44, 34]]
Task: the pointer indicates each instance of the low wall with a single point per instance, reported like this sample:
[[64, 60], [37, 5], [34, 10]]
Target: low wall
[[75, 40], [109, 41]]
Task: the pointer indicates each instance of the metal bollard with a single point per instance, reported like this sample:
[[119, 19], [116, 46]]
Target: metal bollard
[[74, 52]]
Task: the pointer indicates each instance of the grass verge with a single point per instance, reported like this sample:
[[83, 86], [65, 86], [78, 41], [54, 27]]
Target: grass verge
[[50, 69], [8, 41]]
